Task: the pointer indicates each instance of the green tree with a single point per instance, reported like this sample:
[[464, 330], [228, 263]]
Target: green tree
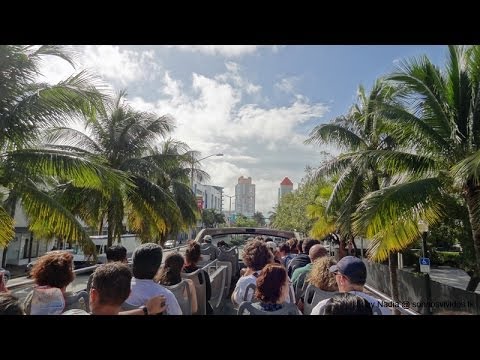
[[211, 218], [290, 213], [26, 166], [242, 221], [440, 120], [259, 219]]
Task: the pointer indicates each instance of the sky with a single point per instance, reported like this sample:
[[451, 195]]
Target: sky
[[254, 104]]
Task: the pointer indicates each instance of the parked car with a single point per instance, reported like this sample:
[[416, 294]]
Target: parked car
[[29, 268], [6, 274], [169, 244]]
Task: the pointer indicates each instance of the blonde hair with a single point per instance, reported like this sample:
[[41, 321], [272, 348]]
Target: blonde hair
[[320, 276]]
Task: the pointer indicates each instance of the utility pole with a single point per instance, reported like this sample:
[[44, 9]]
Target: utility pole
[[229, 208]]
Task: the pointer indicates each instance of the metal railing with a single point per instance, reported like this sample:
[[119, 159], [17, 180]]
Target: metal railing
[[384, 297], [78, 271]]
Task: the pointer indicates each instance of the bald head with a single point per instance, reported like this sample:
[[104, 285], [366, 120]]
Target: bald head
[[316, 251]]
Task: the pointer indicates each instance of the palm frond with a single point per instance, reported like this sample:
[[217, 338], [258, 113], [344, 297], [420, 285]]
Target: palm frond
[[71, 137], [48, 217], [424, 82], [6, 227], [385, 211], [468, 168], [412, 131], [81, 171], [459, 90], [335, 134], [397, 161]]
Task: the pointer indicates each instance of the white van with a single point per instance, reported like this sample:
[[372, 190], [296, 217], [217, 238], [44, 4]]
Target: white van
[[129, 241]]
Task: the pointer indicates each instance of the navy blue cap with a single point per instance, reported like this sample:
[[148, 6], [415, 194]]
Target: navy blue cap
[[353, 268]]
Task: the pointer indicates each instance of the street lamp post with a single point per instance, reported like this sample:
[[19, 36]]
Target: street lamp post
[[423, 227], [229, 208], [191, 180]]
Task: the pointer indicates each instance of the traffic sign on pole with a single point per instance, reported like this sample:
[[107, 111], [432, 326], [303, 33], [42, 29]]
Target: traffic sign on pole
[[424, 265]]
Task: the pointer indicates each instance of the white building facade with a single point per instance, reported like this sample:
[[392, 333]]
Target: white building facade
[[245, 197]]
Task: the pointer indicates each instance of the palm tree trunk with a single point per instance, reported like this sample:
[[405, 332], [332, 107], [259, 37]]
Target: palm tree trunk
[[393, 266], [4, 256], [30, 248], [472, 197], [110, 225]]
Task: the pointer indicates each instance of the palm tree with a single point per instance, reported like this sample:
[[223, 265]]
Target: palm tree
[[259, 218], [440, 119], [361, 133], [125, 139], [173, 171], [27, 106]]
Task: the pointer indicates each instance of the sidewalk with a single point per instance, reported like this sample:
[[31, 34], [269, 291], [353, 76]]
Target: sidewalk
[[449, 276]]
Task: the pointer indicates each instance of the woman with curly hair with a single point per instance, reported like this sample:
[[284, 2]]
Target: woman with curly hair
[[52, 273], [321, 278], [170, 274], [256, 255]]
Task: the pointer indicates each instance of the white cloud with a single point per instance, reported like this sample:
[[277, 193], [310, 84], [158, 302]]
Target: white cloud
[[118, 64], [233, 75], [287, 85], [224, 50], [259, 142]]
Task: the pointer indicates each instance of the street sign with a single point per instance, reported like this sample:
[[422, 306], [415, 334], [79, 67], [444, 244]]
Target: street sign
[[424, 265]]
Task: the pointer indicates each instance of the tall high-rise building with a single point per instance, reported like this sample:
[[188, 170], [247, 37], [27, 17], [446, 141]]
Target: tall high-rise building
[[245, 197], [286, 186]]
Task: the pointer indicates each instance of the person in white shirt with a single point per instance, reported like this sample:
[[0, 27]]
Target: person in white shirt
[[147, 259], [351, 275]]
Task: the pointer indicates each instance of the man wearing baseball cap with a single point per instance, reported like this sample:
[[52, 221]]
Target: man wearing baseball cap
[[351, 275], [207, 248]]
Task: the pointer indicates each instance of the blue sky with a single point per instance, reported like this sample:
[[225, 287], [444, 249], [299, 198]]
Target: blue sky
[[255, 104]]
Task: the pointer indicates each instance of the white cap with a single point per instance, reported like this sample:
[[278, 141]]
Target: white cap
[[207, 238]]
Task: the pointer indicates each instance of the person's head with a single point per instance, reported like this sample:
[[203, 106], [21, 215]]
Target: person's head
[[347, 304], [170, 273], [316, 251], [350, 273], [192, 253], [222, 243], [284, 249], [146, 259], [116, 253], [55, 269], [307, 245], [300, 246], [207, 239], [110, 286], [292, 242], [10, 305], [256, 255], [272, 246], [320, 276], [272, 284]]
